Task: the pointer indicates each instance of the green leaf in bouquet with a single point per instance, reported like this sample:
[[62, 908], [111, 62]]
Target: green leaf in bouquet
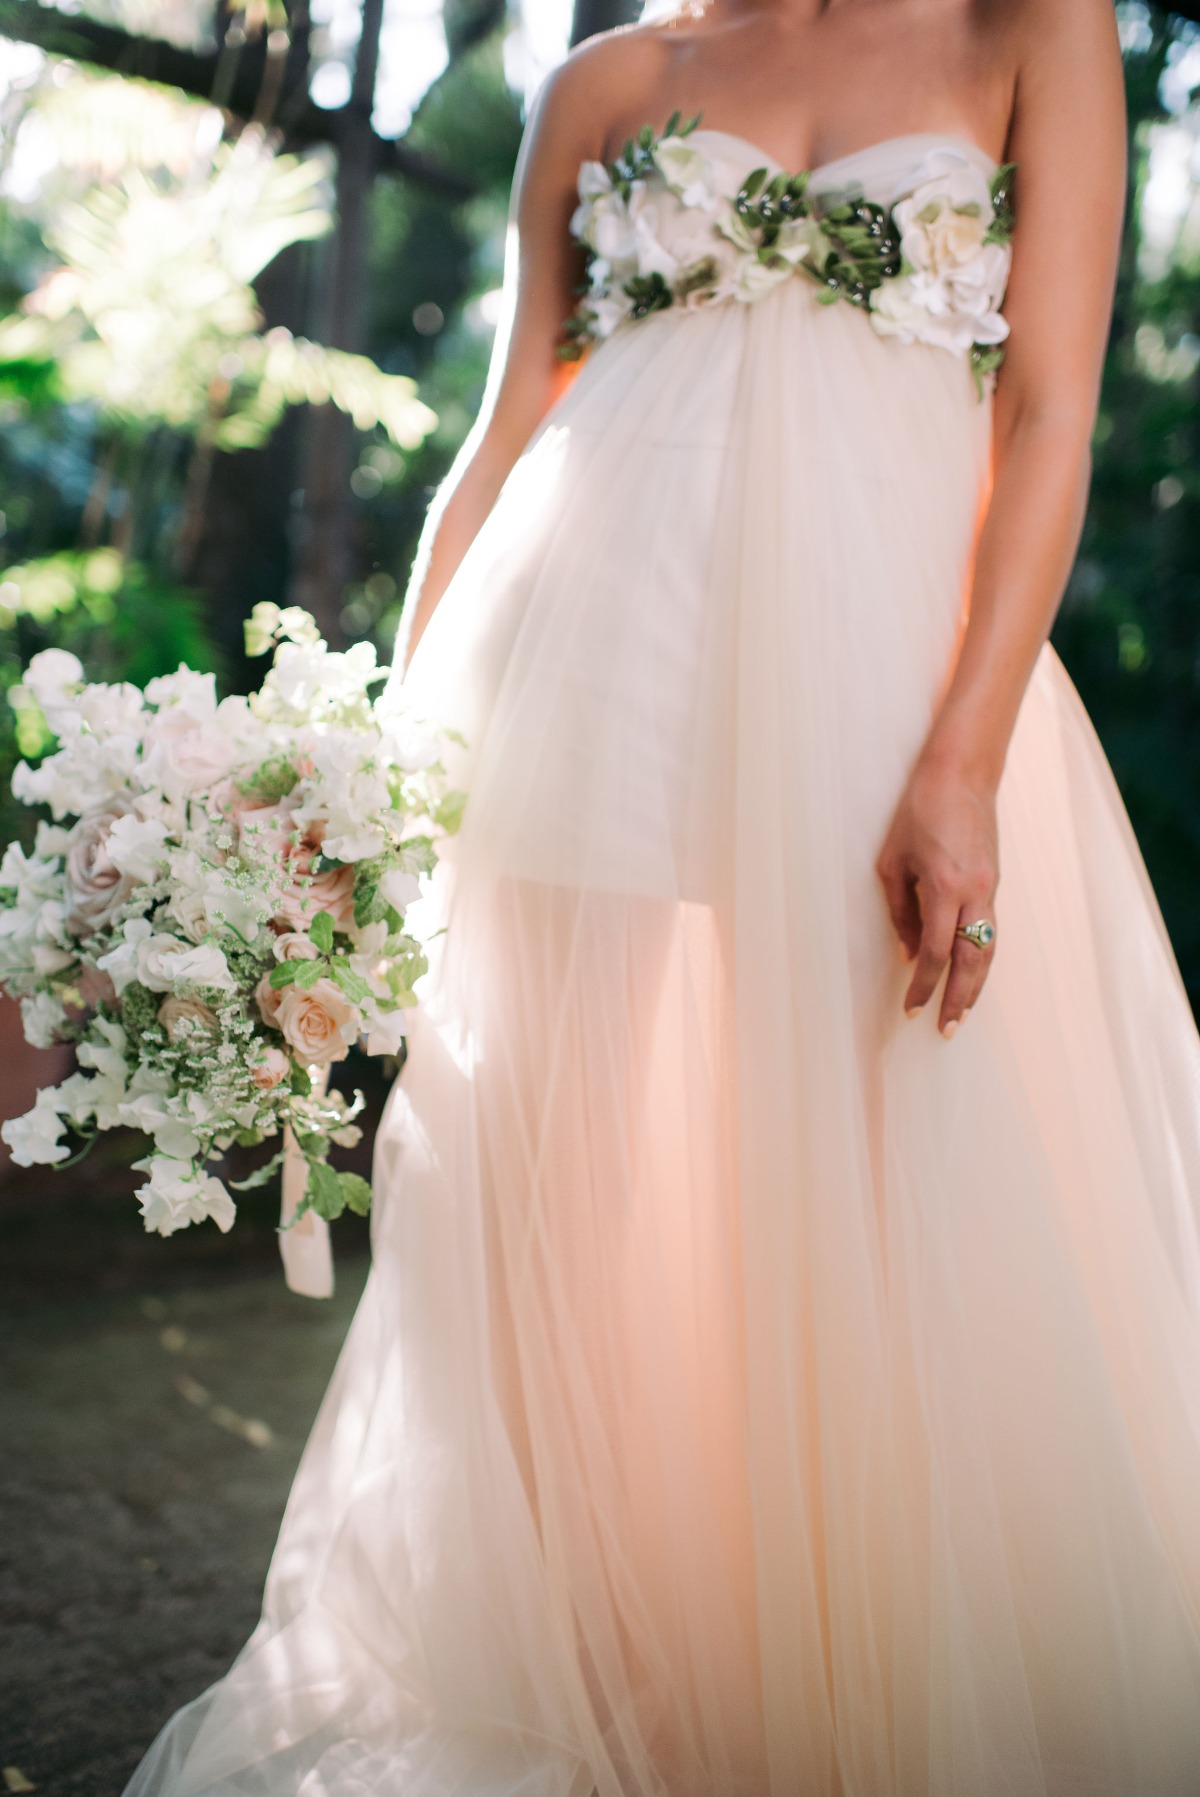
[[351, 983], [369, 903], [356, 1191], [313, 1147], [261, 1176], [320, 931], [299, 1081], [324, 1190], [284, 974], [309, 972]]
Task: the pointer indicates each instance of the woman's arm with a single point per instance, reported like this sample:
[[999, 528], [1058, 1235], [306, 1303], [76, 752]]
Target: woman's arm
[[542, 269], [939, 862]]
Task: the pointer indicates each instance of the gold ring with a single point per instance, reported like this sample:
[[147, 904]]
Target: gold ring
[[981, 933]]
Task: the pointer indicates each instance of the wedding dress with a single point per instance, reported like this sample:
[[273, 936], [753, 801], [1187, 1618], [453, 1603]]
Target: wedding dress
[[754, 1394]]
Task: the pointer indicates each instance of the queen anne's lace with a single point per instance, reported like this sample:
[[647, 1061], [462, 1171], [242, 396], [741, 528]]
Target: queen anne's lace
[[660, 232]]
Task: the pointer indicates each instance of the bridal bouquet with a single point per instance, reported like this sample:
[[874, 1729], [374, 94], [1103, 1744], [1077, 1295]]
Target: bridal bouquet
[[217, 910]]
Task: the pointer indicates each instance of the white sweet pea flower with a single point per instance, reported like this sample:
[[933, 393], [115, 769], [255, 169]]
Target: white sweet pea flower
[[88, 773], [35, 1139], [52, 675], [385, 1031], [177, 1194], [49, 960], [122, 963], [236, 905], [158, 1116], [204, 965], [399, 888], [42, 1018], [136, 846]]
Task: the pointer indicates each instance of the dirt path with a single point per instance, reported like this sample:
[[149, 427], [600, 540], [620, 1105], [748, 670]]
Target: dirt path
[[149, 1436]]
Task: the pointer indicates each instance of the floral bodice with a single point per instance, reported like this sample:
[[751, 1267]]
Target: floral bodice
[[668, 224]]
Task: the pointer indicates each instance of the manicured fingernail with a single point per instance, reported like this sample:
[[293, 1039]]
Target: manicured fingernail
[[948, 1029], [912, 1010]]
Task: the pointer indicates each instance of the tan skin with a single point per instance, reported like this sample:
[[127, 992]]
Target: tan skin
[[1035, 82]]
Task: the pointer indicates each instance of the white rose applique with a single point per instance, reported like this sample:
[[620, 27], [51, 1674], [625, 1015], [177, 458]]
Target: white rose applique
[[956, 259]]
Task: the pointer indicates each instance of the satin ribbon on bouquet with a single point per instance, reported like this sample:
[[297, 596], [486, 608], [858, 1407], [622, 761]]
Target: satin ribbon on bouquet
[[304, 1245]]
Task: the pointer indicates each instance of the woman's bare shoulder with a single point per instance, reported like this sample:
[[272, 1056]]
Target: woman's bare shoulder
[[604, 80]]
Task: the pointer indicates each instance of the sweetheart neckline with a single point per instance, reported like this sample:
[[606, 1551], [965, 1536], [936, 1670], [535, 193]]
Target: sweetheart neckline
[[946, 137]]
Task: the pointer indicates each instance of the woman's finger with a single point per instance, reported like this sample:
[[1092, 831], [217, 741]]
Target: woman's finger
[[939, 916], [901, 895], [968, 970]]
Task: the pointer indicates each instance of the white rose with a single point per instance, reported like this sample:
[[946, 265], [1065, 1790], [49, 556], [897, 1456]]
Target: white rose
[[944, 221], [294, 945], [96, 887], [178, 1194]]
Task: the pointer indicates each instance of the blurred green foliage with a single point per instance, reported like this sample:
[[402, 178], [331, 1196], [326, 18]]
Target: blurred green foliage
[[1129, 628]]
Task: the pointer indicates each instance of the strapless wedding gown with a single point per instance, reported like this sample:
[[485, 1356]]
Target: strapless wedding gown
[[754, 1395]]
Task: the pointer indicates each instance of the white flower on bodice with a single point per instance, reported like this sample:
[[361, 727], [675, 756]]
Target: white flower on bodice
[[668, 224], [953, 288], [664, 227]]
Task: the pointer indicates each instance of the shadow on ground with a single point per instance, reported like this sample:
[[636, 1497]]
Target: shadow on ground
[[154, 1399]]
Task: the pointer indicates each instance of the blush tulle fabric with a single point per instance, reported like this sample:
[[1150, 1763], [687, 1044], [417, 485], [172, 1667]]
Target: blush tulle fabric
[[754, 1395]]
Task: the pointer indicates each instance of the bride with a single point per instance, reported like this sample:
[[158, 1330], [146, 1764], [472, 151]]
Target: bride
[[780, 1371]]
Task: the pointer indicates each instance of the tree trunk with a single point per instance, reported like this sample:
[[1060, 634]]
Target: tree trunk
[[324, 562], [592, 16]]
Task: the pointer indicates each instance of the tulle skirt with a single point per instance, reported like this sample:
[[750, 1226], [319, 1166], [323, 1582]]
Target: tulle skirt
[[754, 1395]]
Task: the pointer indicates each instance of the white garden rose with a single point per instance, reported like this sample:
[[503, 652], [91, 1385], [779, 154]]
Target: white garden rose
[[943, 222], [97, 888]]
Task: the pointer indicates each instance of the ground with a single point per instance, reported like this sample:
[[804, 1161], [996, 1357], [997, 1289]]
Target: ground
[[154, 1399]]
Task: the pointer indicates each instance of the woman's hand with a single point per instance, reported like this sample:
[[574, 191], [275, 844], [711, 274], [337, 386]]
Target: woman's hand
[[939, 867]]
